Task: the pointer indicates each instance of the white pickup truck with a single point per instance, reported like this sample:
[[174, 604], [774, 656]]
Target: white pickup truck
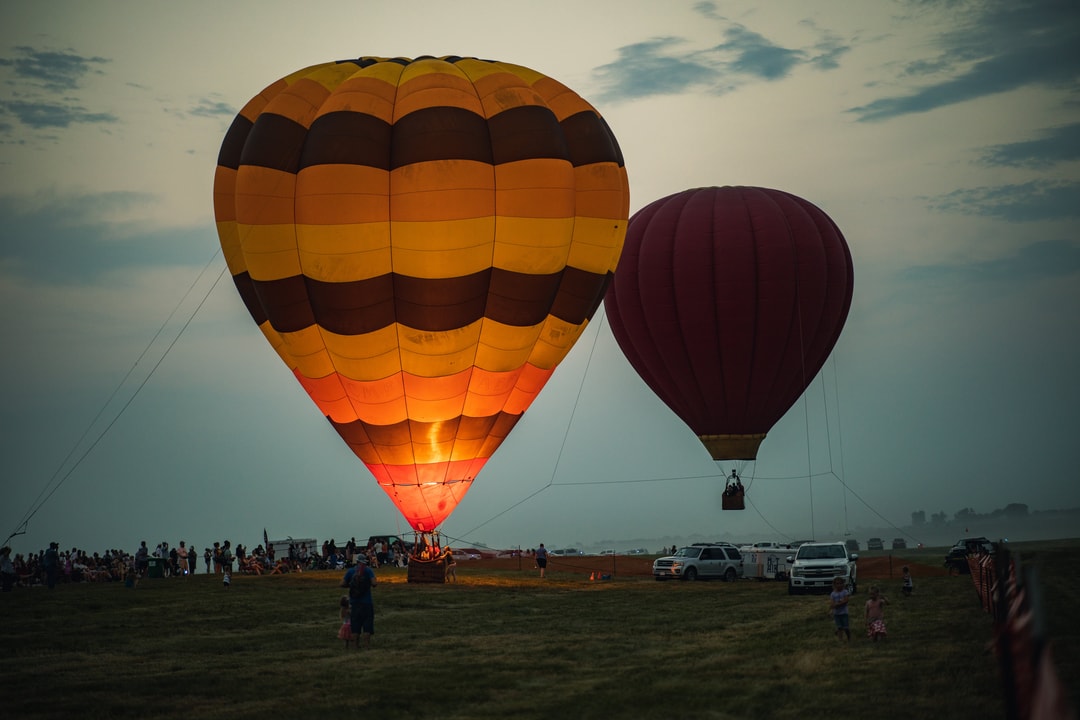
[[815, 565]]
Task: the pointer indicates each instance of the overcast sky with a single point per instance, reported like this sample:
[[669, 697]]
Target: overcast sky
[[141, 402]]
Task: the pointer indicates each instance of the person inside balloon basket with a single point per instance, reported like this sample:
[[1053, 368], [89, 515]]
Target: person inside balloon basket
[[734, 484], [361, 604]]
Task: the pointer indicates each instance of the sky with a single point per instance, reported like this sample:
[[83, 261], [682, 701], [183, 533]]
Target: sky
[[140, 402]]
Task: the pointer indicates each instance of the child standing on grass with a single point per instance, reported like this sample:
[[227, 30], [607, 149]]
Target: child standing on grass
[[838, 608], [909, 586], [345, 632], [875, 614], [226, 579]]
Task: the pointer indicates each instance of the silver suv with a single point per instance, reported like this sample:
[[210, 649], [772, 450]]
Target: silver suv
[[701, 561], [816, 564]]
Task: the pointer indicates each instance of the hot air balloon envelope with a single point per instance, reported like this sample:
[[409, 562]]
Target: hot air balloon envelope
[[727, 301], [421, 241]]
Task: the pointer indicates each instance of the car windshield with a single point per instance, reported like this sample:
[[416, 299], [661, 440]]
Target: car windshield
[[822, 552], [690, 552]]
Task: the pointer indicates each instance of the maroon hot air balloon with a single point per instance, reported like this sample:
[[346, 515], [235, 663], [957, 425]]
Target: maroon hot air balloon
[[727, 301]]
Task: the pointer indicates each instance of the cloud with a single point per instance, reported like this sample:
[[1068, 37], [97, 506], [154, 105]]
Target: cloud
[[1059, 144], [997, 47], [645, 69], [206, 107], [659, 66], [1049, 258], [54, 71], [52, 115], [44, 82], [1024, 202], [756, 56]]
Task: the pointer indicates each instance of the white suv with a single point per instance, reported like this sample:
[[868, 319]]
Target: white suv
[[701, 561], [816, 564]]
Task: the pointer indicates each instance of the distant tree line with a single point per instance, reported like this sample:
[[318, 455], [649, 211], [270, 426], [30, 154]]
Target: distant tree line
[[967, 515]]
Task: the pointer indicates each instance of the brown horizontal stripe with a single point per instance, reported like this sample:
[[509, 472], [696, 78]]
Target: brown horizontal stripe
[[523, 133], [352, 308], [285, 303], [579, 295], [521, 300], [274, 142], [246, 288], [349, 138], [433, 305], [443, 304], [440, 133], [233, 144], [590, 140]]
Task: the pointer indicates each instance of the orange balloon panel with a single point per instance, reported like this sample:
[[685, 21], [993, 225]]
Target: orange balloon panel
[[421, 241]]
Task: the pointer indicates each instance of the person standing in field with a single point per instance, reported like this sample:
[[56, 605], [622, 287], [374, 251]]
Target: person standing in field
[[345, 632], [909, 585], [838, 607], [541, 558], [7, 569], [360, 579], [451, 565], [142, 559], [875, 614]]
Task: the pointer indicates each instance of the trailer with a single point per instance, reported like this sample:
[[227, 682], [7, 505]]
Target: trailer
[[766, 563]]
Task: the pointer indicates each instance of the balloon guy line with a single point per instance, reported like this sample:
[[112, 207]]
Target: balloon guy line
[[45, 494]]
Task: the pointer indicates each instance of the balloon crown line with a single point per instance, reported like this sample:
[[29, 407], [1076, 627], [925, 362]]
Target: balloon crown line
[[368, 60]]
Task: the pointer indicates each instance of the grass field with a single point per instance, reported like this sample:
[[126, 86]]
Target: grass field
[[503, 643]]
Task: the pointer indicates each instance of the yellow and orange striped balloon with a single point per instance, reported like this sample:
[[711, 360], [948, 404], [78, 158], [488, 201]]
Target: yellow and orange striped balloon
[[421, 241]]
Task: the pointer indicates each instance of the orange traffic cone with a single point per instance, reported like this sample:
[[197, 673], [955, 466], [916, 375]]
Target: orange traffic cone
[[592, 576]]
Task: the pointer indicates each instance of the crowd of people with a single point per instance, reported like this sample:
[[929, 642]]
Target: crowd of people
[[53, 565]]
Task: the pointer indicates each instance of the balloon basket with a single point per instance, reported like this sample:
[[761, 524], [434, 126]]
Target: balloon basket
[[427, 571]]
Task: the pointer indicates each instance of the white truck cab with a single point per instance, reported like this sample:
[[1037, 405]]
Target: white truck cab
[[815, 565]]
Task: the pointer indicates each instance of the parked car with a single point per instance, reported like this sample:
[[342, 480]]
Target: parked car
[[815, 565], [567, 552], [898, 544], [700, 562], [957, 557], [852, 545], [875, 544]]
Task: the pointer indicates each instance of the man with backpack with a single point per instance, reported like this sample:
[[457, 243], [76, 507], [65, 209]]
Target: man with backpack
[[360, 579]]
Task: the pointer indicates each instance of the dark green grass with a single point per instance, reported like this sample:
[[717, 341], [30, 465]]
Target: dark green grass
[[505, 644]]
